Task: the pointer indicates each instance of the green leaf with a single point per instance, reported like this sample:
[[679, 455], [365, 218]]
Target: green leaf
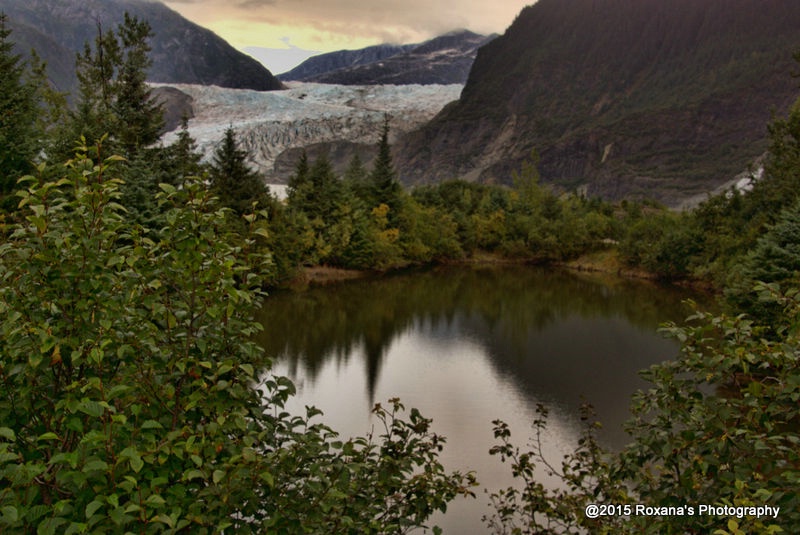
[[7, 433], [267, 478], [50, 525], [39, 222], [10, 515], [34, 359], [136, 464], [76, 527], [94, 465], [92, 408], [188, 475], [155, 499], [167, 188], [119, 390], [164, 519], [152, 424], [92, 508]]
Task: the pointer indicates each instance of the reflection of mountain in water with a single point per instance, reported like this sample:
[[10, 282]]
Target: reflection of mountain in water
[[553, 332]]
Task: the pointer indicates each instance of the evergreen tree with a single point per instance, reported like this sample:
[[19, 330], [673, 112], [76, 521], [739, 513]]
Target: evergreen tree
[[237, 186], [326, 191], [356, 179], [19, 140], [355, 171], [53, 110], [775, 259], [315, 190], [183, 156], [385, 189], [298, 183], [140, 118], [95, 69], [114, 98], [149, 167]]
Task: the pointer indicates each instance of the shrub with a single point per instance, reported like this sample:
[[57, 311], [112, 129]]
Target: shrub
[[719, 426], [133, 399]]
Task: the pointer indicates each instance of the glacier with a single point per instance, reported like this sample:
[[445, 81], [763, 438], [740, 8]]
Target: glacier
[[268, 123]]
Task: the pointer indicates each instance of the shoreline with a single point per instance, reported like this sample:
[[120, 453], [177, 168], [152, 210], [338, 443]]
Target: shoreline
[[604, 262]]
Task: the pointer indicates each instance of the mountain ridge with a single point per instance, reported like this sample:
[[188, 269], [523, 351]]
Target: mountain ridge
[[619, 97], [444, 60], [341, 59], [182, 51]]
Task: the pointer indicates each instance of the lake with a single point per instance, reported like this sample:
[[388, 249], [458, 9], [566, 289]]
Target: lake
[[467, 345]]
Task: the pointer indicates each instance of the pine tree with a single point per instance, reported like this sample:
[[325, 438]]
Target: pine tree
[[234, 182], [19, 138]]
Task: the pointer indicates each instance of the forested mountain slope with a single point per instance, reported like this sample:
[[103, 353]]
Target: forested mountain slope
[[656, 98], [182, 52]]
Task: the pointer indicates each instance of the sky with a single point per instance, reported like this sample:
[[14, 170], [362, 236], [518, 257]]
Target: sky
[[295, 29]]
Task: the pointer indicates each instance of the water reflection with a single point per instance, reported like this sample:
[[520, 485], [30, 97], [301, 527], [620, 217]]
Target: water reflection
[[555, 334], [468, 345]]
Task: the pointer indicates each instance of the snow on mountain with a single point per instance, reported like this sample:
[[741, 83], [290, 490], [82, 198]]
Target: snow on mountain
[[269, 123]]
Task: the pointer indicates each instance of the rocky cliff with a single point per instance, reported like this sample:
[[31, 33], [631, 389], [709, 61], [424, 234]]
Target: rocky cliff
[[657, 98]]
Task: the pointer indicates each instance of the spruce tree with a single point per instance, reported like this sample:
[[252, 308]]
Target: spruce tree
[[114, 97], [233, 181], [19, 140], [183, 156], [298, 183], [356, 179], [140, 117], [96, 71], [385, 189]]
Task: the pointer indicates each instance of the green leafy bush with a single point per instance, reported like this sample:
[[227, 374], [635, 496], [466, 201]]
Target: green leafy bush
[[133, 399], [719, 426]]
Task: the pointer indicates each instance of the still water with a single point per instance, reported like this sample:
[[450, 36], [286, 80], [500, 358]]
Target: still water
[[469, 345]]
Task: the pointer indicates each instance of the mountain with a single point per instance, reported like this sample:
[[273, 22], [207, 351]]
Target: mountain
[[322, 64], [442, 60], [60, 60], [621, 98], [182, 52]]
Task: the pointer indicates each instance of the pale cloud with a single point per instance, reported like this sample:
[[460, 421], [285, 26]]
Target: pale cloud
[[328, 25]]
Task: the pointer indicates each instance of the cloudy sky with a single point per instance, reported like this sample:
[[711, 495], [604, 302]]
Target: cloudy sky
[[328, 25]]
